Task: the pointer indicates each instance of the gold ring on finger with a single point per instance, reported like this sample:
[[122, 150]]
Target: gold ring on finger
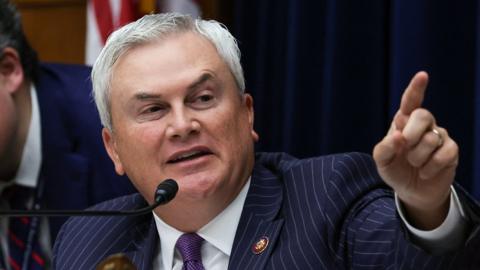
[[439, 135]]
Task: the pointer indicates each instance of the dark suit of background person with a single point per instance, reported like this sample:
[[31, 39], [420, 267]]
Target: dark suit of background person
[[169, 90], [75, 171], [75, 167], [329, 212]]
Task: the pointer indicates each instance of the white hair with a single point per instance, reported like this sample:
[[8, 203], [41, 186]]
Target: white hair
[[153, 28]]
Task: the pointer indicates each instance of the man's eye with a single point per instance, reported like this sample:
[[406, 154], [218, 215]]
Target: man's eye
[[153, 109], [203, 101], [205, 98], [150, 113]]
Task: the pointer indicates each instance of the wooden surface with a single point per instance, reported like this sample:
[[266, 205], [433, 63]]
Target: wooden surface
[[55, 28]]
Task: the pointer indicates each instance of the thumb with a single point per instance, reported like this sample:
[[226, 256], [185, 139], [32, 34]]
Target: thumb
[[386, 150]]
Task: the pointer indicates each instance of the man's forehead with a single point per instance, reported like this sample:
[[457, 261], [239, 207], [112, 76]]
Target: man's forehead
[[146, 79], [165, 38], [168, 47]]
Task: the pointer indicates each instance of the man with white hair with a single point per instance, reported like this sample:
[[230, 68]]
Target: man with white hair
[[171, 95]]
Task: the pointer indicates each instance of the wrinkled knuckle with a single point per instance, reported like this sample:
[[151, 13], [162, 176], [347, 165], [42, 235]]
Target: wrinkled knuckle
[[451, 151], [422, 114], [440, 160], [430, 139]]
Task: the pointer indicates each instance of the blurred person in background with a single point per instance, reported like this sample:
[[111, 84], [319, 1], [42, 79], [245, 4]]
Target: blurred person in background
[[51, 152]]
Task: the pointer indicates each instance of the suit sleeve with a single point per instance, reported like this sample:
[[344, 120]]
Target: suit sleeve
[[372, 234]]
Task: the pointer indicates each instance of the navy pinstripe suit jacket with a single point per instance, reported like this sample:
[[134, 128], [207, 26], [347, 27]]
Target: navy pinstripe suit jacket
[[330, 212]]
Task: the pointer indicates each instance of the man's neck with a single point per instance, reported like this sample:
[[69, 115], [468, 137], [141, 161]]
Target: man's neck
[[190, 216]]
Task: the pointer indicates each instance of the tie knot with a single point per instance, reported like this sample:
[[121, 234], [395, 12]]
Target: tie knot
[[189, 246], [18, 196]]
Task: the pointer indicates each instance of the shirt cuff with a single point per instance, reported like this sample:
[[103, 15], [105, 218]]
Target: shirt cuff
[[446, 237]]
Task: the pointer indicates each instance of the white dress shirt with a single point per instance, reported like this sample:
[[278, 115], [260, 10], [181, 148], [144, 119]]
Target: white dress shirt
[[220, 232], [27, 175], [449, 234]]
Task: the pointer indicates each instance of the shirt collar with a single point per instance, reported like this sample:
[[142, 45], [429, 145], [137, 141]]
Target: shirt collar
[[219, 232], [29, 168]]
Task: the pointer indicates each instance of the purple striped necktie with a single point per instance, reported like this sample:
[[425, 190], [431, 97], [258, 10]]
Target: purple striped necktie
[[189, 246]]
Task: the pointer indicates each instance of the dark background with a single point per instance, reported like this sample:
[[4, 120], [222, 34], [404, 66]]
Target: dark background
[[327, 75]]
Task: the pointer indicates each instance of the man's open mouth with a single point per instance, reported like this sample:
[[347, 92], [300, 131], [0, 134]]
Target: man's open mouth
[[188, 156]]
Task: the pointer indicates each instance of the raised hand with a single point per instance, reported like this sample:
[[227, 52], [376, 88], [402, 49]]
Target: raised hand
[[418, 159]]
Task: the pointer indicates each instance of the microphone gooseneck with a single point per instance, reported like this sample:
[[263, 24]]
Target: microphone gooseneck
[[164, 193]]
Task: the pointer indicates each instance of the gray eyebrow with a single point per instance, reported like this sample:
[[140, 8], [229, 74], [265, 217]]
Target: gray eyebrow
[[146, 96], [142, 95], [203, 78]]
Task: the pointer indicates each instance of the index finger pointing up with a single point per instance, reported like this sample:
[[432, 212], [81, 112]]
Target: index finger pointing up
[[412, 98]]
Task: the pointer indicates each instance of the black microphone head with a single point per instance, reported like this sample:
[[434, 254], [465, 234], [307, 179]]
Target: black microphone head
[[166, 191]]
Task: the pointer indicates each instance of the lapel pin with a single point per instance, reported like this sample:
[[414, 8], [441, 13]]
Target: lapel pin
[[260, 245]]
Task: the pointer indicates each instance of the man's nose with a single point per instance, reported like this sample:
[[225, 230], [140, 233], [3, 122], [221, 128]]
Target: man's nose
[[182, 124]]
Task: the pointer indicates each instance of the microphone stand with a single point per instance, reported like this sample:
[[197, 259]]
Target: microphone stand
[[164, 193]]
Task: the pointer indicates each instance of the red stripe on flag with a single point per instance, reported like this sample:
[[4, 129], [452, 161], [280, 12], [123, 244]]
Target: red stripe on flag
[[17, 241], [128, 12], [14, 265], [103, 15], [38, 259]]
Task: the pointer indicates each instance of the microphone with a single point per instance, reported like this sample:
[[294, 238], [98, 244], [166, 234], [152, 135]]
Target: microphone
[[164, 193]]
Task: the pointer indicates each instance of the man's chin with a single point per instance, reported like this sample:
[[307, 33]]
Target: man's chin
[[198, 185]]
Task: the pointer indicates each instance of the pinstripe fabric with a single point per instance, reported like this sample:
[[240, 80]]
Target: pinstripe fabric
[[330, 212], [85, 241]]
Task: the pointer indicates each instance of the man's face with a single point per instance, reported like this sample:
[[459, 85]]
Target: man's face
[[8, 121], [11, 77], [177, 113]]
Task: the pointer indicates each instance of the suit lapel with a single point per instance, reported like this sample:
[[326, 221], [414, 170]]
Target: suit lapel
[[259, 220], [259, 224], [142, 251]]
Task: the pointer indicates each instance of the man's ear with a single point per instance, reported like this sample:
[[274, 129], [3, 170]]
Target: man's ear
[[11, 70], [110, 145], [248, 99]]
